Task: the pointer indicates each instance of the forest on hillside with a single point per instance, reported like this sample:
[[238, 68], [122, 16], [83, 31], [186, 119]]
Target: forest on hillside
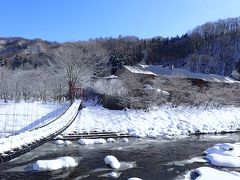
[[35, 68]]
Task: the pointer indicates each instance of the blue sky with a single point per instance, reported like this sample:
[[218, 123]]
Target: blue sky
[[71, 20]]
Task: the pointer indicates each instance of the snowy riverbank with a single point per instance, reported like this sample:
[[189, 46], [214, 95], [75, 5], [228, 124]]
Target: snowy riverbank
[[161, 121]]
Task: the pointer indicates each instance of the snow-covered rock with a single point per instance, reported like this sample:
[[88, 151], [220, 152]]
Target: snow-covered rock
[[226, 149], [125, 140], [59, 142], [110, 140], [112, 161], [224, 161], [85, 141], [225, 154], [50, 165], [206, 173], [91, 141], [67, 143], [99, 141]]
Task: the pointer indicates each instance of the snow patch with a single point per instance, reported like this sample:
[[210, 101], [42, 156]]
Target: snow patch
[[51, 165]]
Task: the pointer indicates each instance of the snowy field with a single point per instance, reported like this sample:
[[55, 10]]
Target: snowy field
[[166, 122]]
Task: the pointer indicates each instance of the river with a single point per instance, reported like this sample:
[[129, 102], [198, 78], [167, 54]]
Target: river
[[148, 159]]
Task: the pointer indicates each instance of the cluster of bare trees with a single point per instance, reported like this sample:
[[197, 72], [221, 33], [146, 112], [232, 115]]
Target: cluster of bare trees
[[32, 84], [76, 66], [47, 70], [196, 92], [130, 91]]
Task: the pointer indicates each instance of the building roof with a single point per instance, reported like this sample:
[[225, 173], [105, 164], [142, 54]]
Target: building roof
[[139, 70], [177, 72]]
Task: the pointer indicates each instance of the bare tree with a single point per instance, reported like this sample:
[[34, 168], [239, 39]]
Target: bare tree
[[17, 95], [78, 64], [72, 75], [4, 85]]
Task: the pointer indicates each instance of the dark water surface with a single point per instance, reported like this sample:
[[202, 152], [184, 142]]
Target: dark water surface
[[148, 159]]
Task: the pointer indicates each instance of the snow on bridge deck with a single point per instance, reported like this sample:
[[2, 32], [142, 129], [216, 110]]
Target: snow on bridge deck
[[45, 132]]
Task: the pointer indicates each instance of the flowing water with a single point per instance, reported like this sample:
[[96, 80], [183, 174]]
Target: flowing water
[[147, 159]]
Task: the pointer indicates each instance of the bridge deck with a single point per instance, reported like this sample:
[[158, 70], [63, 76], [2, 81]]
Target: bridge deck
[[16, 145]]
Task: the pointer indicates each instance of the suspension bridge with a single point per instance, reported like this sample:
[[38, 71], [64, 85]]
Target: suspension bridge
[[24, 141]]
